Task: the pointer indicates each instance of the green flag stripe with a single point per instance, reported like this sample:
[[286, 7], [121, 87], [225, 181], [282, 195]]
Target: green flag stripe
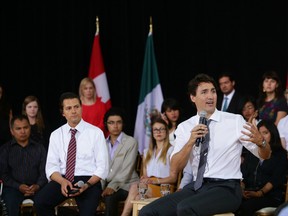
[[150, 76]]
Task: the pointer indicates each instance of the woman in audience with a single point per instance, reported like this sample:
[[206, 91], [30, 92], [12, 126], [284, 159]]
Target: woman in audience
[[249, 109], [271, 102], [263, 180], [93, 109], [31, 108], [171, 111], [156, 164]]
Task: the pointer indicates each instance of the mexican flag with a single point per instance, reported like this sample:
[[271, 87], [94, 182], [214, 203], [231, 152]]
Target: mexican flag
[[150, 99], [97, 72]]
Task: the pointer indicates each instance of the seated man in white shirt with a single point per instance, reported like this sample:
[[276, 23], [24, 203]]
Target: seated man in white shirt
[[91, 163], [216, 181], [283, 132]]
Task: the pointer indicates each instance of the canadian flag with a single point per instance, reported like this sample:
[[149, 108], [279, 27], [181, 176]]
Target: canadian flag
[[98, 74]]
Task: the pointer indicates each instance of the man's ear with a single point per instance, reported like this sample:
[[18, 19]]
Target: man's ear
[[192, 98]]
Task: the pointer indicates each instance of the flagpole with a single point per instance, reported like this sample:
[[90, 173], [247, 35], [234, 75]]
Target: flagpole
[[150, 26], [97, 25]]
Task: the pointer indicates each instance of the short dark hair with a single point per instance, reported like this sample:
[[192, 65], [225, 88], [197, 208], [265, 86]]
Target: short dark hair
[[227, 74], [67, 95], [114, 111], [20, 117], [170, 103], [199, 78]]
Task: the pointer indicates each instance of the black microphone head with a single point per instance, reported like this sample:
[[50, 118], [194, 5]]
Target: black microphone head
[[80, 183], [203, 113]]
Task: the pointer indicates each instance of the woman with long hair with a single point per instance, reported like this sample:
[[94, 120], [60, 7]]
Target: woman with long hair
[[156, 164], [32, 109], [171, 111], [263, 180]]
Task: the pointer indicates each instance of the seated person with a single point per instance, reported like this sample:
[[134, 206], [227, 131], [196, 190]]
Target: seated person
[[123, 150], [77, 154], [22, 162], [263, 180], [156, 164], [187, 175], [282, 128]]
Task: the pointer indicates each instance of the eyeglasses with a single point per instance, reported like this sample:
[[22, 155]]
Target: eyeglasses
[[159, 130], [115, 122]]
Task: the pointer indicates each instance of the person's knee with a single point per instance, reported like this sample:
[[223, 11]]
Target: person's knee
[[146, 211], [183, 209]]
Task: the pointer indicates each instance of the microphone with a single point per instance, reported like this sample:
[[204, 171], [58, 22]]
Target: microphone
[[79, 185], [202, 120]]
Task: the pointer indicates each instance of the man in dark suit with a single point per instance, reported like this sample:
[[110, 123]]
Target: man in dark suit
[[230, 100]]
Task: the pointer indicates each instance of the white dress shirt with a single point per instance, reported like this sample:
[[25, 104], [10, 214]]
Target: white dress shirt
[[91, 156], [225, 146], [283, 129], [156, 167]]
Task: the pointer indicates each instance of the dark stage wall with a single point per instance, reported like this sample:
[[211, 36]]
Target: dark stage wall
[[45, 46]]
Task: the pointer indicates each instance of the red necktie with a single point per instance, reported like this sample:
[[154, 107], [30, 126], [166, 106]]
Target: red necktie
[[71, 157]]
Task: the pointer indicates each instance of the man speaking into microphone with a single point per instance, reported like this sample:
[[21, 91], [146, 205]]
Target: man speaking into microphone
[[214, 149]]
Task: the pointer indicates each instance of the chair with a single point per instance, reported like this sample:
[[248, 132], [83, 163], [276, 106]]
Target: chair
[[27, 206], [269, 211], [224, 214]]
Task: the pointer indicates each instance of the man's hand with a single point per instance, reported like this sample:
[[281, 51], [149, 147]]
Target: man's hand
[[107, 192], [29, 190]]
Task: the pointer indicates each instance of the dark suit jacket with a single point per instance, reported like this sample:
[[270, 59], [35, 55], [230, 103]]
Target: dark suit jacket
[[235, 105]]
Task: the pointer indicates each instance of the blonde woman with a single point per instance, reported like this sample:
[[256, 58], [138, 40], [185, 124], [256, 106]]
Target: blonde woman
[[156, 164], [93, 109]]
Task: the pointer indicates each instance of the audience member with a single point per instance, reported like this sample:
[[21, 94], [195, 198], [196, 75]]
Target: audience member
[[249, 110], [229, 100], [271, 103], [93, 108], [22, 162], [263, 180], [283, 131], [76, 153], [5, 116], [123, 150], [31, 108], [220, 188], [171, 111], [156, 164]]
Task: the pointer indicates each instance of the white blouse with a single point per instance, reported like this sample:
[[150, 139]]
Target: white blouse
[[157, 168]]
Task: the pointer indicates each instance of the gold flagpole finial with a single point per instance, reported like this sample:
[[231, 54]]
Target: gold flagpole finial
[[97, 25], [150, 25]]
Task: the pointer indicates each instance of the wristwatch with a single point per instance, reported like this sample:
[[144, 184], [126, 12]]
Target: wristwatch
[[264, 143], [89, 184]]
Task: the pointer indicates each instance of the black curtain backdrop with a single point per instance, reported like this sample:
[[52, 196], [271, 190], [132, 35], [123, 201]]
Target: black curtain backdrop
[[46, 46]]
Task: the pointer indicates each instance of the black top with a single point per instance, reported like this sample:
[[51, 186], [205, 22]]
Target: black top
[[256, 173], [22, 165]]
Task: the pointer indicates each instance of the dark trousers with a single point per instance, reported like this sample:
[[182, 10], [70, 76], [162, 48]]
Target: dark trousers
[[112, 201], [211, 198], [50, 196], [13, 199], [250, 206]]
